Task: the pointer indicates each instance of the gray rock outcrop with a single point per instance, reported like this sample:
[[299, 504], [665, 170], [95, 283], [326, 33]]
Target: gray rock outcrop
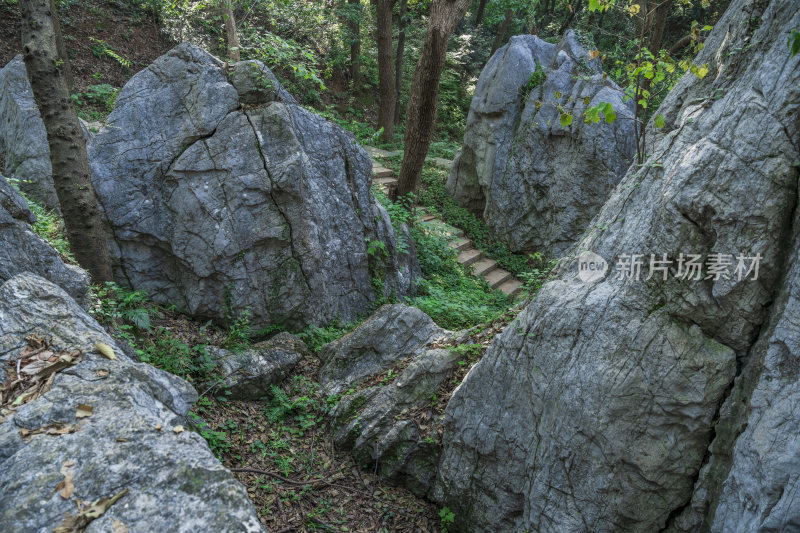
[[391, 334], [218, 209], [660, 404], [23, 139], [536, 183], [21, 250], [121, 429], [374, 421], [248, 373]]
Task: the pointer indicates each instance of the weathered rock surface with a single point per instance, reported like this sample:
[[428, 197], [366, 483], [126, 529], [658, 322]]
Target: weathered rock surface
[[391, 334], [247, 374], [603, 406], [256, 84], [23, 139], [217, 209], [536, 183], [21, 250], [174, 482], [374, 422]]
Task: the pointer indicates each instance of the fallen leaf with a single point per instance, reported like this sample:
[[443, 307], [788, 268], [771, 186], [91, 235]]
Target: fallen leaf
[[102, 373], [56, 428], [120, 439], [158, 427], [178, 429], [83, 411], [118, 527], [105, 350], [66, 487], [87, 513]]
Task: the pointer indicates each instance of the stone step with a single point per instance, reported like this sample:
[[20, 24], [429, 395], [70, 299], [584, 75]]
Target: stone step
[[460, 244], [469, 257], [388, 181], [497, 277], [484, 266], [428, 218], [379, 171], [511, 287]]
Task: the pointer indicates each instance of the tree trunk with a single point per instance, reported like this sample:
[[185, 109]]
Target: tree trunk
[[479, 14], [386, 72], [424, 94], [573, 11], [659, 23], [398, 65], [354, 26], [231, 35], [67, 145], [62, 50], [501, 32]]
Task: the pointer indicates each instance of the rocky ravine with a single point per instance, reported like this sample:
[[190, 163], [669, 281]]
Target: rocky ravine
[[536, 183], [625, 405]]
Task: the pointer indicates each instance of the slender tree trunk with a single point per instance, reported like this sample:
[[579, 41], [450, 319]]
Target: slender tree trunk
[[479, 14], [501, 32], [61, 48], [398, 63], [354, 26], [386, 72], [421, 114], [67, 145], [231, 35], [659, 23]]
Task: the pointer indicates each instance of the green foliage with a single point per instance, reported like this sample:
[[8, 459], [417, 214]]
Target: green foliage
[[299, 402], [218, 440], [447, 518], [316, 337], [49, 225], [540, 272], [101, 49], [592, 114], [536, 79], [239, 331], [794, 43], [96, 103]]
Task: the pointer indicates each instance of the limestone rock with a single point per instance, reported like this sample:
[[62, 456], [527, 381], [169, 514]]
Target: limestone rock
[[219, 210], [248, 373], [536, 183], [23, 139], [603, 407], [21, 250], [391, 334], [131, 440]]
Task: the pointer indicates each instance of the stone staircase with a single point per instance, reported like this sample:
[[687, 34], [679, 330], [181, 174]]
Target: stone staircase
[[468, 254], [471, 257]]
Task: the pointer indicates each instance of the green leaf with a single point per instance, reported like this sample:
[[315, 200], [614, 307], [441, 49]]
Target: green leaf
[[594, 5], [794, 43], [659, 121], [566, 120]]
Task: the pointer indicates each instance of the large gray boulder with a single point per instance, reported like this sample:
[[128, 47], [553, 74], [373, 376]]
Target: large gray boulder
[[132, 438], [248, 373], [23, 139], [391, 334], [384, 370], [21, 250], [644, 405], [536, 183], [218, 209]]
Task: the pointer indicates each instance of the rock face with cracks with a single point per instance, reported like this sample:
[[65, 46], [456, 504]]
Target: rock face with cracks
[[660, 404], [23, 139], [133, 438], [374, 421], [537, 183], [219, 208]]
